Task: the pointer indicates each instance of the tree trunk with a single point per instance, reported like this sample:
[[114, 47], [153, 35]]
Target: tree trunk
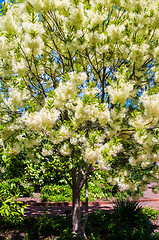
[[78, 181], [76, 211], [85, 219], [76, 220]]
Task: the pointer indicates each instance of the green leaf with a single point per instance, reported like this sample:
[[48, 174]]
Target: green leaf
[[6, 212], [22, 211]]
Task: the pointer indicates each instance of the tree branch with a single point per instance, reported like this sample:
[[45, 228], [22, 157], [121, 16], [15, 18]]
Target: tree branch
[[85, 176]]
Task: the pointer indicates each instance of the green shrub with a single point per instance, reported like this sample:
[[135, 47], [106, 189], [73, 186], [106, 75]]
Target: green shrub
[[102, 225], [127, 210], [151, 213], [63, 193], [49, 226], [127, 221], [13, 166], [56, 193], [14, 188], [12, 211]]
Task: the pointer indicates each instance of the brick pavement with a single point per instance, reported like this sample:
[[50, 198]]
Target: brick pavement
[[35, 207], [150, 199]]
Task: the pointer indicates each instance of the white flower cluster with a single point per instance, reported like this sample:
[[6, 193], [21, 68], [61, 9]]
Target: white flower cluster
[[77, 15], [150, 117], [46, 152], [146, 160], [83, 112], [120, 91], [14, 149], [69, 89], [21, 37], [9, 22], [115, 32], [151, 105], [103, 115], [91, 156], [112, 149], [65, 150], [146, 139], [44, 119], [16, 96]]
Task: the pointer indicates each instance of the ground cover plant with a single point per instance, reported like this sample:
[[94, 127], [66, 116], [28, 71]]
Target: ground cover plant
[[127, 221], [79, 87]]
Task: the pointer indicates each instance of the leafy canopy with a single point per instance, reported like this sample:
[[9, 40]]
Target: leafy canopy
[[79, 84]]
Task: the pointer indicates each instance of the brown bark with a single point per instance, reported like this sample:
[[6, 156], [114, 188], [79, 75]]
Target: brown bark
[[86, 208], [77, 227], [76, 214]]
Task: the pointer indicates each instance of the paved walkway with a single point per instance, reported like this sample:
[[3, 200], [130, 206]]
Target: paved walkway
[[35, 207], [150, 199]]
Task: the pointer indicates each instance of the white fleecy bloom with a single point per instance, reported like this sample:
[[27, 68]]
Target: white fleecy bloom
[[103, 114], [150, 117], [47, 152], [112, 149], [14, 150], [19, 67], [64, 92], [62, 5], [74, 141], [102, 163], [116, 120], [151, 104], [64, 133], [1, 143], [77, 78], [33, 45], [43, 5], [90, 91], [115, 32], [140, 121], [120, 91], [8, 22], [147, 139], [84, 112], [37, 4], [76, 15], [90, 155], [41, 120], [157, 75], [17, 97], [65, 150]]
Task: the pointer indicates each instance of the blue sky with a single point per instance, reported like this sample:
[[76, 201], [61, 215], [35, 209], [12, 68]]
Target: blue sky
[[1, 1]]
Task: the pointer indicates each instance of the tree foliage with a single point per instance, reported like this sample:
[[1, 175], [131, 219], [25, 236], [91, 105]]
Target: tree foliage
[[79, 86]]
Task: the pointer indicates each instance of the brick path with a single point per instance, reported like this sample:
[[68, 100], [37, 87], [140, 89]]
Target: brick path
[[35, 207]]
